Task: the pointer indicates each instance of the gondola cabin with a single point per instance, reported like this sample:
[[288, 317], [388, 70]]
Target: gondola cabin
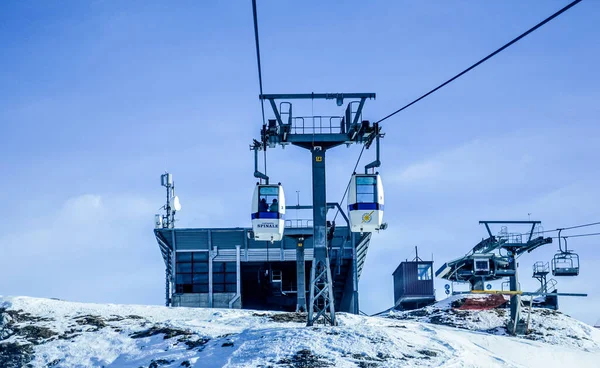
[[268, 212], [365, 203]]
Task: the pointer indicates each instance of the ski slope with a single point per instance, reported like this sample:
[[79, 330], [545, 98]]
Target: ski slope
[[45, 332]]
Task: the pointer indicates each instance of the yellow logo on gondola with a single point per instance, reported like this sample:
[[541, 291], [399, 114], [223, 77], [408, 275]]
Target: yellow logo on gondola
[[368, 216]]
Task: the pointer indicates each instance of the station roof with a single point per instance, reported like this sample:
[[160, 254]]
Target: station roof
[[227, 238]]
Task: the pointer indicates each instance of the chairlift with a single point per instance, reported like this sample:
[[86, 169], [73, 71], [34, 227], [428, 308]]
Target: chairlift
[[565, 262], [268, 212], [365, 203]]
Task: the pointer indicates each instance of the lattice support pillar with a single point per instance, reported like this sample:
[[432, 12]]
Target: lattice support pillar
[[321, 283], [322, 307]]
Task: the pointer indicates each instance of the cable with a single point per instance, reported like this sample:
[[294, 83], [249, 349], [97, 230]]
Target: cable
[[349, 181], [578, 226], [579, 235], [262, 102], [485, 58], [564, 228]]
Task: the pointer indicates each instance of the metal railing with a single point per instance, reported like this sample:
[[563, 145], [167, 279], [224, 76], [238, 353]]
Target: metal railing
[[541, 267], [548, 287], [299, 223], [317, 125]]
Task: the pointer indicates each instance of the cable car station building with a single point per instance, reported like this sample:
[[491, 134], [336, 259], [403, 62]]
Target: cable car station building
[[270, 265], [225, 268]]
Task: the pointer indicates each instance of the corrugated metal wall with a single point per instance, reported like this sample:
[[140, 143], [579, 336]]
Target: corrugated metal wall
[[407, 283], [189, 239], [227, 239]]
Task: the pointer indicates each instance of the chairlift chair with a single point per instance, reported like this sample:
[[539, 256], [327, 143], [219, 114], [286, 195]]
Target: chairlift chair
[[565, 262]]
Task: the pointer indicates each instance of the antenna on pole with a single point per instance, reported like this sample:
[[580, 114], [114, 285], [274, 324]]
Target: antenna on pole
[[167, 221], [417, 259]]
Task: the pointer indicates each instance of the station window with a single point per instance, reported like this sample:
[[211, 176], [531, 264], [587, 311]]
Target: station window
[[424, 272], [366, 189], [191, 272], [266, 196], [224, 277]]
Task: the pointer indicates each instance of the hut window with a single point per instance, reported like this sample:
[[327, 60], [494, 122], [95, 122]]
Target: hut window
[[424, 272]]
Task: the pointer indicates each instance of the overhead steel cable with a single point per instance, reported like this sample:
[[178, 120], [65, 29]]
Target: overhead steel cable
[[262, 102], [578, 226], [579, 235], [564, 228], [484, 59]]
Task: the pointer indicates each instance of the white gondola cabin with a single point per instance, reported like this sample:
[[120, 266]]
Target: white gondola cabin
[[268, 212], [365, 203]]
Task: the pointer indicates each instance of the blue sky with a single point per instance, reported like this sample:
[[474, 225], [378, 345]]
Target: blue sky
[[101, 97]]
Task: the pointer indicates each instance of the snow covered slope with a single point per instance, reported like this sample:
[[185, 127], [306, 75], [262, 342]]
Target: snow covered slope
[[44, 333], [546, 325]]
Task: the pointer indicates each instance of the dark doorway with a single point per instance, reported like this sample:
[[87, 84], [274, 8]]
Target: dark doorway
[[271, 285]]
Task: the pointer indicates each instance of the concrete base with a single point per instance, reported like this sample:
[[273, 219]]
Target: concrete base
[[220, 300]]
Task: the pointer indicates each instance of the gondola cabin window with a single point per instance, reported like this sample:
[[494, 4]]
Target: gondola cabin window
[[366, 189], [267, 197]]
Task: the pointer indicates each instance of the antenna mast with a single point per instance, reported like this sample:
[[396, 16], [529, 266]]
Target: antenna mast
[[167, 221]]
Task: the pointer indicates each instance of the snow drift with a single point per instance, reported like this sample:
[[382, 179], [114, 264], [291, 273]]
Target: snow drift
[[44, 333]]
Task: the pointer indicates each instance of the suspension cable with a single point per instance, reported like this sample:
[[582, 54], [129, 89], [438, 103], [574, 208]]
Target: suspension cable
[[578, 226], [564, 228], [580, 235], [262, 102], [485, 58]]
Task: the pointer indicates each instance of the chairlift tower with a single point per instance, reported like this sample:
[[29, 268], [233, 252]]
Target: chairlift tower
[[515, 245], [318, 134]]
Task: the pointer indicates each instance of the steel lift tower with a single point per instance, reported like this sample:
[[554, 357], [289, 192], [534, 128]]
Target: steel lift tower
[[318, 134]]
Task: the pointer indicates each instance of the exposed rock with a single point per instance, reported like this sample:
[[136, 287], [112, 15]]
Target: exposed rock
[[305, 359], [157, 363], [90, 320], [13, 355], [169, 332], [35, 334]]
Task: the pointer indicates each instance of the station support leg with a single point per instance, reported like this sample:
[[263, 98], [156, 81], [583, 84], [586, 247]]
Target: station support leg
[[321, 283]]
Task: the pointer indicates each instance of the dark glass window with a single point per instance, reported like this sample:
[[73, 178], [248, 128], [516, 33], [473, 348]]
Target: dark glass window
[[201, 267], [184, 256], [366, 189], [184, 268], [224, 277], [192, 272], [200, 256], [200, 288]]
